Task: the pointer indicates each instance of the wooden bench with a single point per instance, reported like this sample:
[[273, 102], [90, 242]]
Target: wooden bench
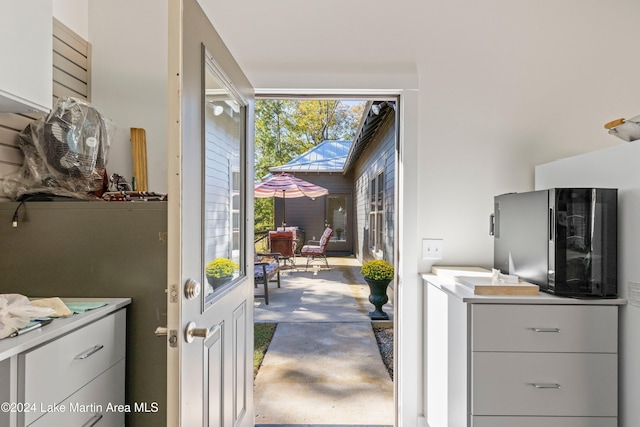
[[265, 268]]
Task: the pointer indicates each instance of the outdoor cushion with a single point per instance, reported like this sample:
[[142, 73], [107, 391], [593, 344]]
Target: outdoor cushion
[[312, 250], [258, 272]]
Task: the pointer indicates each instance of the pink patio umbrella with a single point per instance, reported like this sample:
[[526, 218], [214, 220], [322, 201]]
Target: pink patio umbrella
[[287, 186]]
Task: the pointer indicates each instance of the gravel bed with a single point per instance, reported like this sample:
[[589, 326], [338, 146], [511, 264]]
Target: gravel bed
[[384, 337]]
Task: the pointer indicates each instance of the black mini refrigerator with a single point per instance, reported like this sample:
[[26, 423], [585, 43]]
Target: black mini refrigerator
[[562, 239]]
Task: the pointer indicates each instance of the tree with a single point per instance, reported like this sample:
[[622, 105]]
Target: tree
[[284, 129], [323, 120]]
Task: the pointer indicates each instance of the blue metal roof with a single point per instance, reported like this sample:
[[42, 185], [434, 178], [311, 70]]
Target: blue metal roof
[[328, 156]]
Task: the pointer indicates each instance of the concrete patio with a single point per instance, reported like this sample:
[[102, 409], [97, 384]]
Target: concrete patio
[[336, 295], [323, 366]]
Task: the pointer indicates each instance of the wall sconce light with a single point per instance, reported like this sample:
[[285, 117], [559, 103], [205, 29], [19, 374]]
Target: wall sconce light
[[376, 108], [627, 130], [217, 110]]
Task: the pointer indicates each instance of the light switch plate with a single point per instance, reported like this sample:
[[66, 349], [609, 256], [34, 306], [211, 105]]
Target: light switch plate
[[432, 248]]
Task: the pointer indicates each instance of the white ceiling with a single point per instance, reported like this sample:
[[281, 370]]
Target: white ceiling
[[319, 38]]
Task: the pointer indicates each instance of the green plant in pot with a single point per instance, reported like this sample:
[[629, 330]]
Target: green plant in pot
[[378, 274], [219, 271]]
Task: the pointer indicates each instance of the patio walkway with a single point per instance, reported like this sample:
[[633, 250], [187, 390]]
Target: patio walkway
[[337, 295], [323, 366]]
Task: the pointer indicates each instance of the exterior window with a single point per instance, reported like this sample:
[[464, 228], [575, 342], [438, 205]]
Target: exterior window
[[376, 213], [235, 213]]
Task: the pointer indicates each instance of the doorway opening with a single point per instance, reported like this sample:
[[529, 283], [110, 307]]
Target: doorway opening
[[362, 210]]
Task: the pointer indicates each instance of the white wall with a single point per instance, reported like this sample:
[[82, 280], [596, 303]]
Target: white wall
[[74, 14], [615, 167], [503, 86], [129, 80], [508, 85]]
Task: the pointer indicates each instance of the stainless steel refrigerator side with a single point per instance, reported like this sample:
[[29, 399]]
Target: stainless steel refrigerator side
[[562, 239], [521, 243]]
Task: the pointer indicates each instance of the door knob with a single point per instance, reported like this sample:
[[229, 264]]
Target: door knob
[[191, 332], [161, 331]]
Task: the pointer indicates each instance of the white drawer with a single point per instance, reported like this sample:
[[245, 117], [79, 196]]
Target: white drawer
[[544, 328], [98, 403], [58, 369], [505, 384], [543, 422]]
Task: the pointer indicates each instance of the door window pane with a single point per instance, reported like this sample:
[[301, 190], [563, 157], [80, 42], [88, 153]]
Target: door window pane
[[337, 217], [223, 152]]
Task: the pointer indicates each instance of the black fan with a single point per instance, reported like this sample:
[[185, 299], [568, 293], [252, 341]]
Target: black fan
[[74, 143], [64, 154]]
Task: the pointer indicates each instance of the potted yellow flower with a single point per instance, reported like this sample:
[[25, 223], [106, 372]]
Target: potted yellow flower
[[378, 274], [219, 271]]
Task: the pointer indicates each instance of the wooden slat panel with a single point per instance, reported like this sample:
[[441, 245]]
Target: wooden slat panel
[[66, 51], [11, 155], [8, 137], [60, 91], [69, 37], [16, 122], [69, 67], [8, 169], [63, 79], [70, 72]]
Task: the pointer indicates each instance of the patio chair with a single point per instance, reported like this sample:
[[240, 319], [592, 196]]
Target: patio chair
[[313, 251], [283, 242], [265, 267]]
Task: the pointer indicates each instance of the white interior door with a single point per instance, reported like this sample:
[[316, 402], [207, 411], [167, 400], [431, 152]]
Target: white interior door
[[210, 320]]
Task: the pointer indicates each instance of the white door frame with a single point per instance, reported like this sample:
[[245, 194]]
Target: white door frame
[[408, 293]]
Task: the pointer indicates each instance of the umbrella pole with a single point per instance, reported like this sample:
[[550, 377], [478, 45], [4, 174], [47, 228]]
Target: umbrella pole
[[284, 210]]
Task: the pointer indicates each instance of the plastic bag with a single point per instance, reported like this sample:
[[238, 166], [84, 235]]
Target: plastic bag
[[65, 153], [16, 311]]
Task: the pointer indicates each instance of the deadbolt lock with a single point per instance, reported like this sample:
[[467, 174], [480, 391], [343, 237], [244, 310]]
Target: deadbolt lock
[[192, 289]]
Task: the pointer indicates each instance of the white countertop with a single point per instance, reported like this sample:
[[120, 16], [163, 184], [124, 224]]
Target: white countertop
[[11, 346], [448, 285]]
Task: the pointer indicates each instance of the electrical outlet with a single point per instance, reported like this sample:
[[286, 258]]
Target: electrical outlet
[[432, 248]]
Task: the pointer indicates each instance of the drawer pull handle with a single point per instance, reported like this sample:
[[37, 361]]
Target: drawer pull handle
[[546, 329], [93, 421], [89, 352], [546, 385]]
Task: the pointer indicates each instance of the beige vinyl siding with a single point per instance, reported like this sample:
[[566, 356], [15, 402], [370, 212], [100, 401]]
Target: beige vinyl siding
[[71, 77]]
